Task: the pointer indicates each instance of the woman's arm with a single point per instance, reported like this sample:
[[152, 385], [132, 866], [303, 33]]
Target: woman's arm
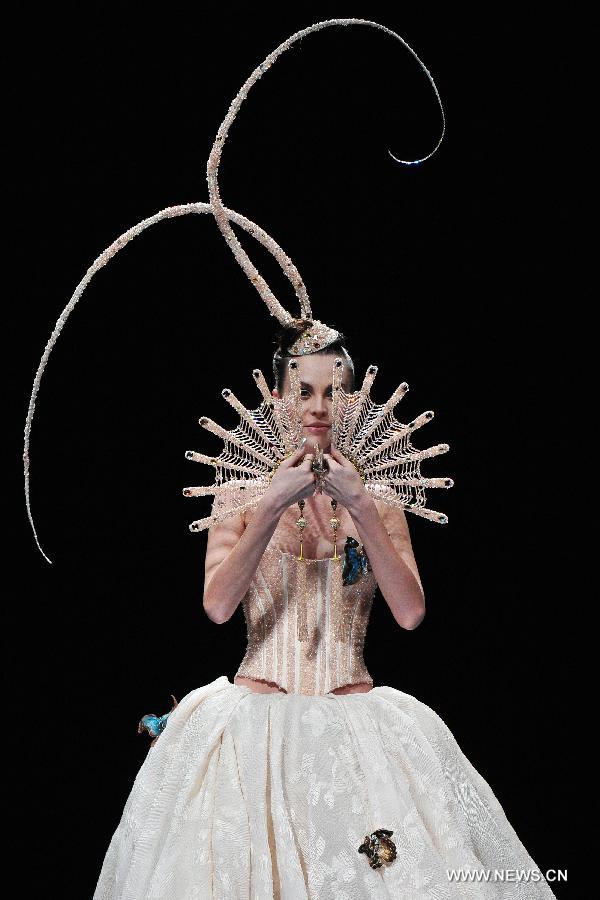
[[233, 553], [386, 539], [234, 550]]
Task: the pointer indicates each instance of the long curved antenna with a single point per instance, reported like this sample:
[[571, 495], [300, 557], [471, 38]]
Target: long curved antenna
[[223, 216], [273, 305], [168, 213]]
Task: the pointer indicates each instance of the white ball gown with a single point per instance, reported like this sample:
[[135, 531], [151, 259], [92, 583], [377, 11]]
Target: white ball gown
[[269, 795]]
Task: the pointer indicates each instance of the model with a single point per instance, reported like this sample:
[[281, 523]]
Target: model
[[301, 779]]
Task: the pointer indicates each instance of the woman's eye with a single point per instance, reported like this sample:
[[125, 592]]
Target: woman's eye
[[304, 393]]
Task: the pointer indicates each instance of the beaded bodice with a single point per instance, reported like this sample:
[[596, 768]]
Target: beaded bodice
[[306, 630]]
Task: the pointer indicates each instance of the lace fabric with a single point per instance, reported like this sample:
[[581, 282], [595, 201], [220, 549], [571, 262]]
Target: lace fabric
[[248, 795]]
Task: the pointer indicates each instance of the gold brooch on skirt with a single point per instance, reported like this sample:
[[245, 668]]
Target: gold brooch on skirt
[[379, 848]]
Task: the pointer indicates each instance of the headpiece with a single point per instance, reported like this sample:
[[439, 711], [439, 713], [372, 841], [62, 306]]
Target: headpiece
[[367, 432], [315, 336]]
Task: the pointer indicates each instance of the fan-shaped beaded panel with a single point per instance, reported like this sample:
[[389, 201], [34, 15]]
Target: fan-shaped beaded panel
[[367, 433]]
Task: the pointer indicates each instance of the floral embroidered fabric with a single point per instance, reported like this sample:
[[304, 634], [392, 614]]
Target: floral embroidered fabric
[[259, 796]]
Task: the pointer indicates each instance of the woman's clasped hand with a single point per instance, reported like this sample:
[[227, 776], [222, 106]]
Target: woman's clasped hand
[[295, 480]]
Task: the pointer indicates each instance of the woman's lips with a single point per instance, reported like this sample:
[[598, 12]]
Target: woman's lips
[[317, 427]]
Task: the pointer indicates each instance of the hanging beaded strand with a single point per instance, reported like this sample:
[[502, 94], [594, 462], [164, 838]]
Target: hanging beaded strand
[[320, 467], [301, 597], [335, 524], [337, 594], [301, 523]]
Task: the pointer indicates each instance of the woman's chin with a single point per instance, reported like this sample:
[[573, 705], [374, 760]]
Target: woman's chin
[[320, 436]]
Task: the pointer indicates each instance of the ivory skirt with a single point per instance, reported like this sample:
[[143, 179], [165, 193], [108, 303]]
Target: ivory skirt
[[269, 795]]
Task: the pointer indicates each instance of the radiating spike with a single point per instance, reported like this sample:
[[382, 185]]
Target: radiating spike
[[295, 411], [202, 524], [218, 462], [229, 436], [387, 407], [216, 490], [214, 519], [201, 458], [394, 500], [368, 380], [263, 386], [263, 430], [388, 444], [361, 399], [442, 482], [200, 491], [347, 405], [336, 387], [401, 432], [286, 422], [406, 458], [432, 514], [279, 408]]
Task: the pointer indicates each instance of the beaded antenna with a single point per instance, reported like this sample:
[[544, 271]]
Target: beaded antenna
[[367, 433], [313, 334]]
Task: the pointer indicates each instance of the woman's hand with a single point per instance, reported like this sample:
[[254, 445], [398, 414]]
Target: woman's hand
[[342, 482], [294, 479]]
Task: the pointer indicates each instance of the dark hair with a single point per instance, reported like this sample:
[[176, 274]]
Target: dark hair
[[286, 336]]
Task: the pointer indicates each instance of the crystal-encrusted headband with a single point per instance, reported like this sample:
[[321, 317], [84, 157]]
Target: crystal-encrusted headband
[[313, 338], [317, 335]]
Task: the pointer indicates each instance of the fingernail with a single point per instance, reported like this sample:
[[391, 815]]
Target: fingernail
[[302, 442]]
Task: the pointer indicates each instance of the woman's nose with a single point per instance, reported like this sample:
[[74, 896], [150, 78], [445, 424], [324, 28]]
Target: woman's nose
[[319, 405]]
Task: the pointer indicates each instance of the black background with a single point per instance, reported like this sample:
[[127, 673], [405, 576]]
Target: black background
[[455, 275]]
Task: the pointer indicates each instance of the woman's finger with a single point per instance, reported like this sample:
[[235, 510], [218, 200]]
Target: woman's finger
[[293, 458], [339, 457], [306, 463], [336, 453]]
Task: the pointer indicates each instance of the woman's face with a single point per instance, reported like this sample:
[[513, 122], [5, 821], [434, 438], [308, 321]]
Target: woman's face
[[315, 373]]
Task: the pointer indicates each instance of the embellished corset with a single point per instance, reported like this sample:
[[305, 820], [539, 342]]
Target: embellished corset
[[306, 629]]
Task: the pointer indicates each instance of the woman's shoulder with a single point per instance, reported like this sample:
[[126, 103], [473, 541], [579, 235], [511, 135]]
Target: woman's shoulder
[[392, 516], [386, 500], [234, 497]]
